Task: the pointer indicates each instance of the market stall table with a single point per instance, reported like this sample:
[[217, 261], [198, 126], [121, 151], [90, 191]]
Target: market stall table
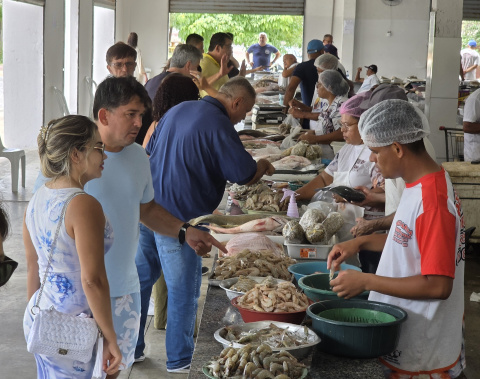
[[218, 312]]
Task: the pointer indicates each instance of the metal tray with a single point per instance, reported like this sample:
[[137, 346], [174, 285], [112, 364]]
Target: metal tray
[[298, 352]]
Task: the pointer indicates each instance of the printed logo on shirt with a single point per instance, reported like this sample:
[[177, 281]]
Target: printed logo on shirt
[[460, 256], [267, 51], [393, 357], [402, 233]]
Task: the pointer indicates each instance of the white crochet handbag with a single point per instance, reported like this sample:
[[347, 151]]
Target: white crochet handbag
[[54, 333]]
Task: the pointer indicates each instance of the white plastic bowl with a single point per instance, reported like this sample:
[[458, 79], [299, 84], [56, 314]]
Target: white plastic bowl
[[298, 352]]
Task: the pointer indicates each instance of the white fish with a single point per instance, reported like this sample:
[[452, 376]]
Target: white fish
[[273, 223]]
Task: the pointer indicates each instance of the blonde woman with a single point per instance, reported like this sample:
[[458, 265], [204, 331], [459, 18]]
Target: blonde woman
[[71, 153]]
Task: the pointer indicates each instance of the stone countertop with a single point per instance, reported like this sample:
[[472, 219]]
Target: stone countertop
[[218, 312]]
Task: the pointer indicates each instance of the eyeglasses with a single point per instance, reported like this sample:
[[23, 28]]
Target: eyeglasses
[[119, 65], [7, 267], [101, 148], [346, 126]]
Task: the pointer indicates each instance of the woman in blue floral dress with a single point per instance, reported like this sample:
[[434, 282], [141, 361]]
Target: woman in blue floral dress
[[71, 153]]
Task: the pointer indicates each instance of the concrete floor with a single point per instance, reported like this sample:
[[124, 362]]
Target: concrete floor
[[16, 362]]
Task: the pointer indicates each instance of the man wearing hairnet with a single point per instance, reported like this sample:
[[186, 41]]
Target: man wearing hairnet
[[423, 256]]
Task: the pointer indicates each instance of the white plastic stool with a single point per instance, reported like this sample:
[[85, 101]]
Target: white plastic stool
[[14, 156]]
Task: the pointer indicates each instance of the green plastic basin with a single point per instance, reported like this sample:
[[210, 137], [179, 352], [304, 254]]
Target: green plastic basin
[[356, 328]]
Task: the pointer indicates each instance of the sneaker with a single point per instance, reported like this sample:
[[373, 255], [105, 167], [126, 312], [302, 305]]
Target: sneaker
[[151, 307], [181, 370], [141, 358], [204, 270]]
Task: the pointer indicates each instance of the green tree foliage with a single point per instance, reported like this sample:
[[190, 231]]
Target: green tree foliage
[[470, 30], [282, 31]]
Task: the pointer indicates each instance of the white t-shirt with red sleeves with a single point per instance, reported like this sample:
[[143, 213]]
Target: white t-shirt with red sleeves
[[427, 238]]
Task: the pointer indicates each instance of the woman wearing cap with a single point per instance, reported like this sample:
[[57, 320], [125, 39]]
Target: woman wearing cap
[[324, 115], [351, 166]]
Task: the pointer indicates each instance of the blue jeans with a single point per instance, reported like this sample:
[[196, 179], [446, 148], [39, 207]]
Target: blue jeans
[[182, 269]]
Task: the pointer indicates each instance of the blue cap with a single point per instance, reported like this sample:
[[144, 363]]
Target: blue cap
[[472, 43], [314, 46]]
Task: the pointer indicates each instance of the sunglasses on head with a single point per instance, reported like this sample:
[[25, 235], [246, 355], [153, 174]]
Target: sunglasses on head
[[7, 267]]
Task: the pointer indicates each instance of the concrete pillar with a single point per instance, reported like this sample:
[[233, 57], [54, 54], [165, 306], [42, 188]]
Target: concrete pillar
[[150, 21], [443, 67], [318, 21], [85, 57], [344, 14], [22, 73], [53, 58]]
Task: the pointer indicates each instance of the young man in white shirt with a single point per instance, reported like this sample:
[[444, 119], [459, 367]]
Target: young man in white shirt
[[422, 260], [371, 79]]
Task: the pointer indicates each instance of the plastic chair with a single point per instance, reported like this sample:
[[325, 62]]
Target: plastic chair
[[14, 156], [62, 102]]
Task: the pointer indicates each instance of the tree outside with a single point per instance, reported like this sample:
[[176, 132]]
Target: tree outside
[[470, 30], [284, 32]]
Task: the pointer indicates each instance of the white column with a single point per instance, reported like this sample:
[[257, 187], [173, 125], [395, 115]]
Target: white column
[[22, 73], [317, 21], [85, 56], [443, 67], [150, 21], [53, 56]]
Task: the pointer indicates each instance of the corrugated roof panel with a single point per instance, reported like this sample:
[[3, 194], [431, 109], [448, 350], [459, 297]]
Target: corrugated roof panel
[[287, 7], [471, 10]]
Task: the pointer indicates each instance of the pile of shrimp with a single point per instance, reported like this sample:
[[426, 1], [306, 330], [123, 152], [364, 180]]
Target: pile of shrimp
[[281, 297], [273, 336], [255, 362], [254, 263]]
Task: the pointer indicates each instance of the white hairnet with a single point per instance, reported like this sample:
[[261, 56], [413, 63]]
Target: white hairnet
[[392, 121], [326, 62], [333, 82]]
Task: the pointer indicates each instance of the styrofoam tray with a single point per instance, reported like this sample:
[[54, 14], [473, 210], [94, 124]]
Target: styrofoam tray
[[309, 251]]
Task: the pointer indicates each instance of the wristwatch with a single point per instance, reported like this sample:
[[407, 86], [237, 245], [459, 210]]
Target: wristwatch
[[182, 232]]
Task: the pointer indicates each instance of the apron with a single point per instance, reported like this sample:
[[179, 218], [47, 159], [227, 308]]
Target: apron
[[351, 212]]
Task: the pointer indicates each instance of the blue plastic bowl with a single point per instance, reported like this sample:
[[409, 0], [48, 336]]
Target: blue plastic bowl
[[307, 268]]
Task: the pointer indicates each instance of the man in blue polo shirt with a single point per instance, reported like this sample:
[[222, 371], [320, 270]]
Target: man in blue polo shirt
[[262, 52], [193, 152]]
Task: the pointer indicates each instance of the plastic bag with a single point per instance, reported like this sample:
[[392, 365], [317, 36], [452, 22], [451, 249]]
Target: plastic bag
[[325, 207], [252, 242], [293, 232], [350, 213], [296, 129]]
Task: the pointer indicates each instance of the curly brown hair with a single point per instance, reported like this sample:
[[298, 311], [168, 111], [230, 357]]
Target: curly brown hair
[[174, 89]]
